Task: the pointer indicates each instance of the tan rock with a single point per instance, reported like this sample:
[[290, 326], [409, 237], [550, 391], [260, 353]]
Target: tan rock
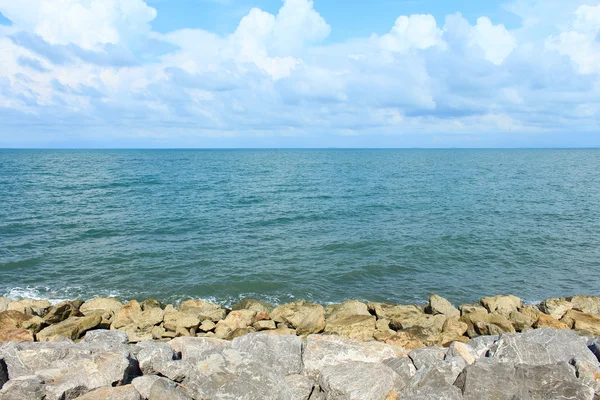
[[381, 335], [15, 335], [446, 339], [240, 319], [264, 325], [556, 308], [241, 332], [30, 307], [547, 321], [482, 323], [439, 305], [429, 325], [254, 305], [405, 340], [584, 323], [503, 305], [207, 326], [136, 335], [179, 319], [360, 327], [128, 314], [472, 308], [101, 303], [531, 311], [520, 321], [157, 332], [169, 335], [281, 331], [223, 331], [35, 324], [59, 312], [151, 303], [13, 319], [203, 310], [351, 307], [182, 332], [150, 317], [262, 316], [307, 318], [382, 324], [466, 352], [391, 311], [72, 328], [585, 304], [169, 309], [455, 326], [4, 302]]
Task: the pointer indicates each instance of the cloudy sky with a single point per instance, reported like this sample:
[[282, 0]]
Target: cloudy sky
[[299, 73]]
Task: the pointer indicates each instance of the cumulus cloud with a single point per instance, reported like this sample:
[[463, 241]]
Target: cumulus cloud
[[98, 67]]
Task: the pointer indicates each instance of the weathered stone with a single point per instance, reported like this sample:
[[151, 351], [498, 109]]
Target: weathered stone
[[111, 341], [468, 353], [151, 303], [23, 388], [182, 331], [543, 346], [254, 305], [427, 356], [31, 307], [281, 331], [503, 305], [307, 318], [151, 356], [178, 319], [127, 315], [72, 328], [487, 379], [60, 312], [149, 317], [282, 352], [207, 326], [404, 369], [446, 339], [439, 374], [588, 324], [157, 332], [405, 340], [394, 312], [265, 325], [556, 308], [198, 348], [586, 304], [547, 321], [483, 323], [455, 326], [382, 324], [143, 384], [3, 372], [357, 381], [446, 392], [203, 310], [13, 319], [521, 322], [361, 327], [347, 308], [428, 325], [299, 387], [4, 302], [34, 325], [240, 319], [164, 389], [127, 392], [439, 305], [471, 308], [323, 350], [588, 374], [101, 304], [15, 335]]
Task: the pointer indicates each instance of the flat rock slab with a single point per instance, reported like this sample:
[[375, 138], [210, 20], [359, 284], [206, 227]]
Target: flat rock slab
[[282, 352], [357, 381]]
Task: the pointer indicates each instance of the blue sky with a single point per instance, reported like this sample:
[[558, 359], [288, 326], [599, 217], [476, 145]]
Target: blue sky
[[299, 73]]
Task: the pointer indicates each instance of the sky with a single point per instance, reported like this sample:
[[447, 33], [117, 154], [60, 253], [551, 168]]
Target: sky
[[299, 73]]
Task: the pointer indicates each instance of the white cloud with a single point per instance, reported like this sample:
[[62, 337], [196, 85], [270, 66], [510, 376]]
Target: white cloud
[[416, 31], [495, 40]]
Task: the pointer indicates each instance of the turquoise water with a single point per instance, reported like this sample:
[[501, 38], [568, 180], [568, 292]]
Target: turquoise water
[[327, 225]]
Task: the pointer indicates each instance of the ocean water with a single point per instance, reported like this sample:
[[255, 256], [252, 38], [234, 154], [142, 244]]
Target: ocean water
[[325, 225]]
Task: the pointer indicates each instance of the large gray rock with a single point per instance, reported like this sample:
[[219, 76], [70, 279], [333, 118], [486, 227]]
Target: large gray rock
[[23, 388], [283, 352], [106, 340], [152, 356], [299, 387], [357, 381], [490, 379], [427, 356], [127, 392], [404, 369], [440, 375], [446, 392], [543, 346], [198, 348], [143, 384], [321, 351], [163, 389], [3, 372]]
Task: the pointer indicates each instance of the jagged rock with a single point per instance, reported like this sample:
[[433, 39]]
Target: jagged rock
[[127, 315], [361, 327], [588, 324], [471, 308], [4, 302], [198, 348], [127, 392], [143, 384], [164, 389], [520, 321], [503, 305], [151, 356], [15, 335], [446, 392], [543, 346], [347, 308], [468, 353], [439, 305], [282, 352], [357, 381], [395, 313], [588, 374], [405, 340], [110, 341], [151, 303], [428, 325], [179, 319], [13, 319], [427, 356], [556, 308], [404, 369], [547, 321], [455, 326], [480, 323], [307, 318], [72, 328], [281, 331], [157, 332], [101, 304], [31, 307], [239, 319], [34, 325], [254, 305], [149, 317], [299, 387], [321, 350], [203, 310], [586, 304], [23, 388], [207, 326], [440, 374], [265, 325], [60, 312]]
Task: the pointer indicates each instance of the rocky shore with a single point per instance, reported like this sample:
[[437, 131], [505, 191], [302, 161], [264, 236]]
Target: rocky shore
[[498, 348]]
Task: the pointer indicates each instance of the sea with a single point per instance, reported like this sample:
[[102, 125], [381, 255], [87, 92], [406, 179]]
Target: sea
[[279, 225]]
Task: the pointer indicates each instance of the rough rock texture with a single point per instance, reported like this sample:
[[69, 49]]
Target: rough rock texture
[[203, 310], [307, 318], [425, 357], [357, 381], [30, 307], [588, 324], [282, 352], [127, 392], [255, 305], [586, 304], [439, 305], [101, 304], [72, 328], [15, 335], [503, 305], [555, 308]]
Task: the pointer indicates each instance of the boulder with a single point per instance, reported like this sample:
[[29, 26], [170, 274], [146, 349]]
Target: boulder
[[428, 325], [106, 340], [299, 387], [3, 372], [59, 312], [208, 325], [23, 388], [446, 392], [357, 381], [179, 319], [143, 384], [164, 389], [439, 305], [30, 307], [149, 317], [555, 308], [322, 350], [13, 319], [254, 305], [101, 304], [455, 326], [127, 392], [547, 321], [282, 352], [127, 315], [471, 308], [203, 310], [483, 323], [463, 350], [153, 356], [347, 308], [307, 318], [265, 325], [198, 348], [4, 302], [151, 303], [438, 374], [15, 335], [405, 341], [503, 305], [361, 327], [404, 369], [394, 312], [427, 356], [521, 321], [72, 328], [586, 304], [240, 319], [588, 374], [584, 323]]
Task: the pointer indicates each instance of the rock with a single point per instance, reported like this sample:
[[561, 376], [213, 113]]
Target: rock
[[72, 328], [23, 388], [446, 392], [588, 324], [207, 326], [586, 304], [307, 318], [151, 303], [282, 352], [153, 356], [106, 340], [164, 389], [157, 332], [127, 392], [427, 356], [101, 304], [3, 372], [254, 305], [468, 353], [503, 305], [480, 323], [588, 374], [198, 348], [34, 324], [182, 331], [143, 384], [439, 305], [361, 327], [394, 312], [203, 310], [4, 302], [299, 387], [428, 325], [15, 335], [471, 308], [547, 321], [455, 326], [13, 319], [543, 346], [404, 369], [521, 322], [405, 340], [265, 325], [555, 308], [127, 315], [357, 381], [240, 319], [322, 350], [149, 317], [178, 319], [347, 308], [60, 312], [32, 307]]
